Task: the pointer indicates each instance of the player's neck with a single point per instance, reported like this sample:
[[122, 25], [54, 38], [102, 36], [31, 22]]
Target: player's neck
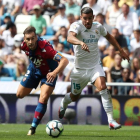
[[34, 47]]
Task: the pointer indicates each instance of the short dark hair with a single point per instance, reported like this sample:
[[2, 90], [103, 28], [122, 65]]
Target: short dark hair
[[29, 30], [86, 10], [10, 25]]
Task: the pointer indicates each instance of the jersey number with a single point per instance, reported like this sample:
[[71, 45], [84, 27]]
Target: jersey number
[[76, 86]]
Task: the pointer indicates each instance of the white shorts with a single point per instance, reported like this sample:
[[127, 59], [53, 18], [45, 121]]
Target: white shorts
[[81, 77]]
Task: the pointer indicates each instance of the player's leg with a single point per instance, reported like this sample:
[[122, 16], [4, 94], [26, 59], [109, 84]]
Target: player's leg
[[23, 91], [100, 83], [78, 82], [105, 96], [46, 91], [27, 84], [69, 97], [41, 108]]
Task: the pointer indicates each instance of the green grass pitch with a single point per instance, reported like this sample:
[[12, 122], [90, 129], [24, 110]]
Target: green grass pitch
[[71, 132]]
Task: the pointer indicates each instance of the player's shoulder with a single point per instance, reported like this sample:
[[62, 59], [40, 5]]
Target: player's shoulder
[[78, 23], [42, 43], [24, 46]]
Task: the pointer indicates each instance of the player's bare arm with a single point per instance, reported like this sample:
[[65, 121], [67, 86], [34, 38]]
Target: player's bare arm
[[62, 64], [73, 40], [113, 41]]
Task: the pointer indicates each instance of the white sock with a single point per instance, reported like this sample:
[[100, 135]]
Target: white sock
[[66, 100], [107, 104], [110, 116]]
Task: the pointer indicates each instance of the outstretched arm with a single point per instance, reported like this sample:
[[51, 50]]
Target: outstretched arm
[[113, 41], [73, 40]]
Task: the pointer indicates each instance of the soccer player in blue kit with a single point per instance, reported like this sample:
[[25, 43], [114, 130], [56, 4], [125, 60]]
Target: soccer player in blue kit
[[45, 64]]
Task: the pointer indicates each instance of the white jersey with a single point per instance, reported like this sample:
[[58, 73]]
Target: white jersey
[[84, 59]]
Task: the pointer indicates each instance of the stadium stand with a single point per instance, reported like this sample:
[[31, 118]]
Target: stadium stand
[[23, 21]]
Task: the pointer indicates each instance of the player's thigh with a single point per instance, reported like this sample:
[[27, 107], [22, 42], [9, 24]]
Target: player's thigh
[[98, 77], [79, 80], [23, 91], [29, 81], [46, 91]]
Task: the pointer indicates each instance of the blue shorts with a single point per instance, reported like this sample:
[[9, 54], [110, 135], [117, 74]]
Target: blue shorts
[[33, 77]]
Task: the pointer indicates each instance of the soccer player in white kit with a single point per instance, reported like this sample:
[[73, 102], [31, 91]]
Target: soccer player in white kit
[[84, 35]]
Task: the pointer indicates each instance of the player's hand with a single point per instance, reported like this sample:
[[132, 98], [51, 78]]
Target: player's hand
[[84, 46], [51, 76], [124, 55]]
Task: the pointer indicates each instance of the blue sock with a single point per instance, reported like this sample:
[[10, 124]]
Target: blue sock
[[39, 113]]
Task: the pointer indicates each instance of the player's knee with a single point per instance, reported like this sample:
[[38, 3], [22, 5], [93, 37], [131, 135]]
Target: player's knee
[[19, 95], [43, 99], [102, 87]]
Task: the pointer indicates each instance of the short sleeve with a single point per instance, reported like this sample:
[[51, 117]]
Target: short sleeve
[[102, 41], [75, 28], [24, 48], [103, 31]]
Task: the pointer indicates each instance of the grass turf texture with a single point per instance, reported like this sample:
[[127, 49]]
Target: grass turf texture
[[71, 132]]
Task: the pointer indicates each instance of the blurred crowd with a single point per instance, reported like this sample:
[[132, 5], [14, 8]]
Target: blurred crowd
[[121, 18]]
